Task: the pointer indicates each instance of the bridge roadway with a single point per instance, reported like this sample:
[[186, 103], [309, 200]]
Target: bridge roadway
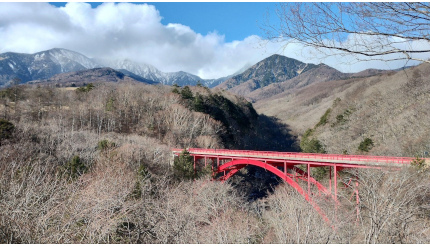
[[353, 161]]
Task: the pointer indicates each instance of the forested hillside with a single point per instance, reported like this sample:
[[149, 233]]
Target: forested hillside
[[95, 164]]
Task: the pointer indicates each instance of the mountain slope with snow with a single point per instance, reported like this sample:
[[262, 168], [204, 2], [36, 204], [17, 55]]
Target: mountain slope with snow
[[41, 65], [151, 73]]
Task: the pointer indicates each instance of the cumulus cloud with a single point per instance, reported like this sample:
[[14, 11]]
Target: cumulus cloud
[[122, 31], [135, 32]]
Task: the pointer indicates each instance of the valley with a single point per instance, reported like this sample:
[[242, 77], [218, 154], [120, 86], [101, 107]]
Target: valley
[[87, 153]]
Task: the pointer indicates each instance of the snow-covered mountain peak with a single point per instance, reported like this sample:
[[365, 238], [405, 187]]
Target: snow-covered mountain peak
[[64, 57], [45, 64]]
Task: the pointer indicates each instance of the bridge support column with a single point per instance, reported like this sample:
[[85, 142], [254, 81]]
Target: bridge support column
[[335, 184], [357, 197], [285, 168], [309, 178], [194, 165], [330, 180], [212, 167]]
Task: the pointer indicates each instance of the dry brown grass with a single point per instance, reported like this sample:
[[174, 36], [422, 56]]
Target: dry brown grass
[[68, 88]]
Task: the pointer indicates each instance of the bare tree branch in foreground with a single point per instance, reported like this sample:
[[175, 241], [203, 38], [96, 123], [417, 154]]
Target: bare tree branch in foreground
[[370, 31]]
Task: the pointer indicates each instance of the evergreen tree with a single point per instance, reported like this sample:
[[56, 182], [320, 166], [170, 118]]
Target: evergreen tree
[[199, 105], [183, 166], [186, 93]]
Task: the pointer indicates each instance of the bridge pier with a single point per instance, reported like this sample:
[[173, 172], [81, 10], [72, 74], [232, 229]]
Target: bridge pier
[[330, 179], [285, 168], [357, 197], [309, 178], [335, 184], [194, 165]]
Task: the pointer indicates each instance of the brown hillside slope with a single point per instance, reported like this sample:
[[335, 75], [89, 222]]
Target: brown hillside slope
[[322, 73], [391, 109]]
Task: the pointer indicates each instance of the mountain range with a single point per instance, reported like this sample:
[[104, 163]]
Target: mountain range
[[273, 75], [41, 66]]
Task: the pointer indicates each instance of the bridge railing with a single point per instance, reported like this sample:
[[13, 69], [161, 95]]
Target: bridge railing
[[251, 153]]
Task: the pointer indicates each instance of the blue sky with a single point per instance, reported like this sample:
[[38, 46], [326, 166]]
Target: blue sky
[[235, 21]]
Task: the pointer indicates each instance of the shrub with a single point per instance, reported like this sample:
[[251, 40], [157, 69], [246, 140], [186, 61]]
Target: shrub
[[86, 88], [104, 144], [340, 119], [336, 101], [324, 118], [6, 129], [312, 146], [136, 193], [143, 171], [175, 90], [366, 145], [308, 133], [110, 105], [309, 145], [419, 164], [6, 93], [75, 167], [343, 118]]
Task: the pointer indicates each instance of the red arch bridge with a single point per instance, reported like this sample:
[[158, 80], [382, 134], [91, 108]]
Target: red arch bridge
[[226, 163]]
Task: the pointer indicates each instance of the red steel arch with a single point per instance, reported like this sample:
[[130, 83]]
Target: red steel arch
[[235, 165]]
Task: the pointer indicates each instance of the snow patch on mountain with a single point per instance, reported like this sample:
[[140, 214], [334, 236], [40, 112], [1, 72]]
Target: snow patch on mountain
[[147, 71], [45, 64]]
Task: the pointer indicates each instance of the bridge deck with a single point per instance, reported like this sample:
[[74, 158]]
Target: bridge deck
[[321, 159]]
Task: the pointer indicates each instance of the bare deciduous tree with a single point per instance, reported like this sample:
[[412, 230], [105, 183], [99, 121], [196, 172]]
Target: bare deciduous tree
[[393, 205], [377, 30]]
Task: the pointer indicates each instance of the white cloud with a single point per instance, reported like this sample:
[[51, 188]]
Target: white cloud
[[123, 30], [134, 31]]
